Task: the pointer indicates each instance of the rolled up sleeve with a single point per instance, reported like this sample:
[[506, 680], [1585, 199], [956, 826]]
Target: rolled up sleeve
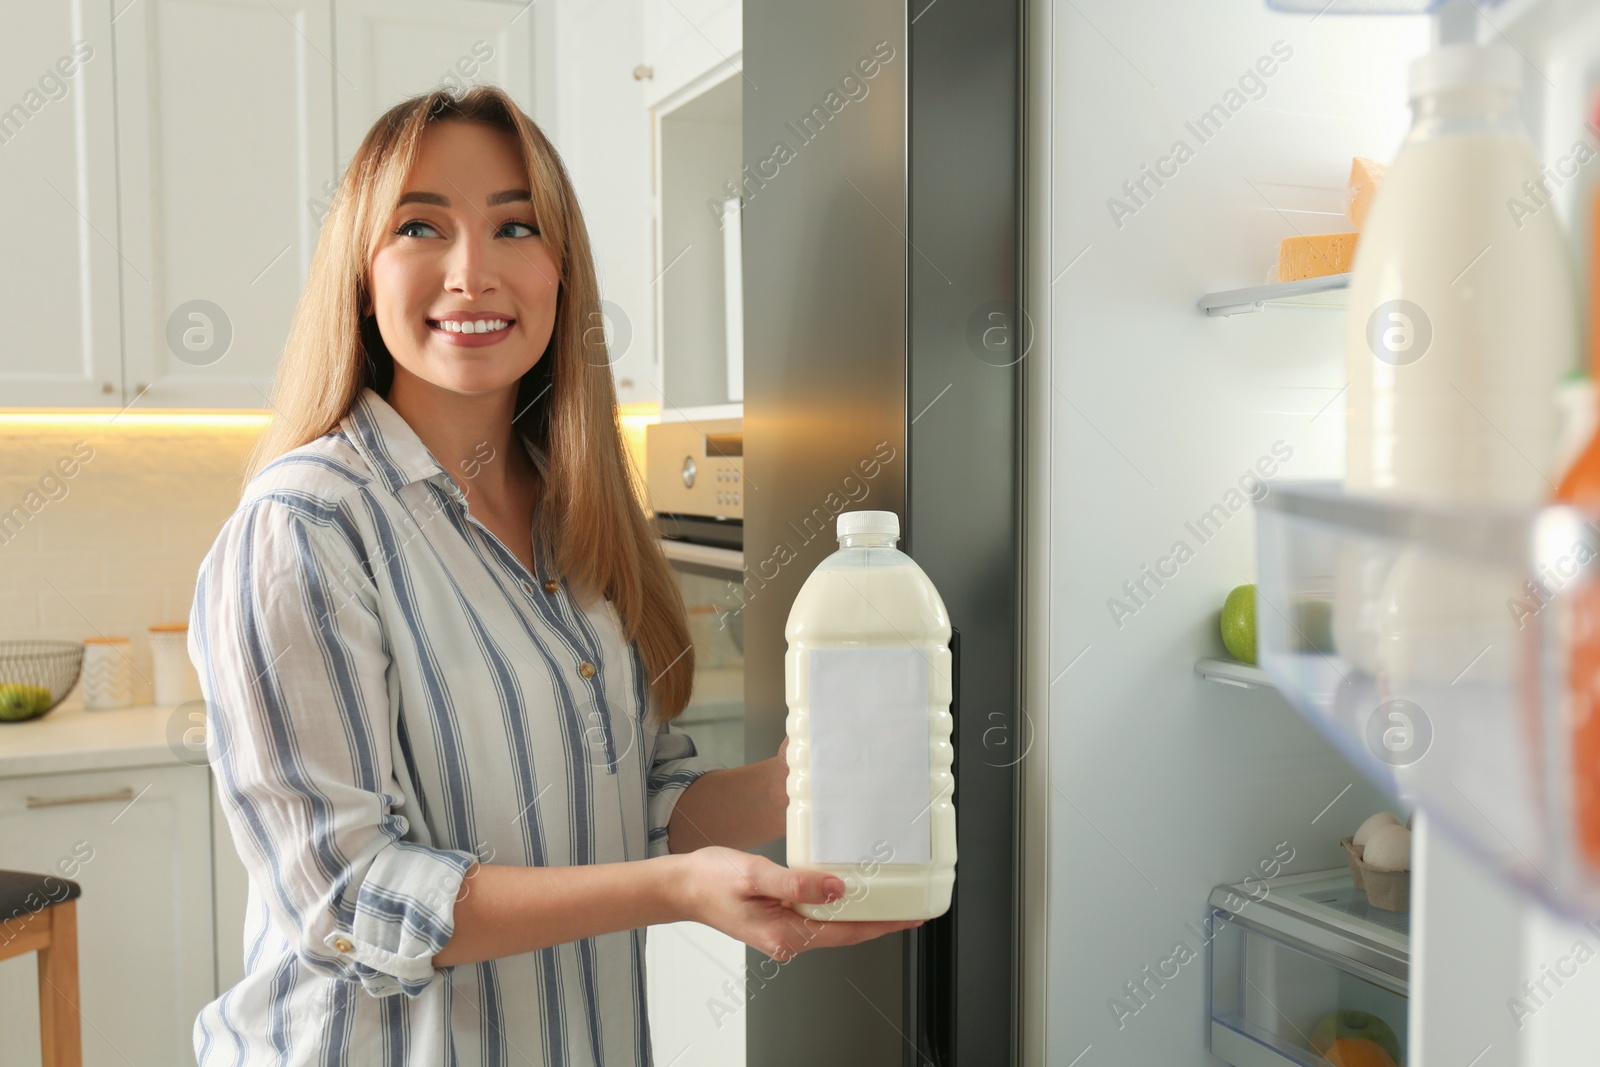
[[292, 657], [675, 765]]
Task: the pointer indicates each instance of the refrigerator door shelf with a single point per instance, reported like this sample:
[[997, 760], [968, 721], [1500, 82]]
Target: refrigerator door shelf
[[1432, 645]]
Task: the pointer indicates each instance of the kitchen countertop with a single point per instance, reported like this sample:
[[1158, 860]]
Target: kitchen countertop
[[70, 737]]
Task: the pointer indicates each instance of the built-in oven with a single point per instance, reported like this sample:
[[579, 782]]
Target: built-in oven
[[695, 474]]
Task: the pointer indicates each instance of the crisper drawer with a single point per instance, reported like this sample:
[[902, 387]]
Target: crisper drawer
[[1275, 1001]]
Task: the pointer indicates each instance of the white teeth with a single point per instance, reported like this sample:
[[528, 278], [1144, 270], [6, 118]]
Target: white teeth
[[480, 326]]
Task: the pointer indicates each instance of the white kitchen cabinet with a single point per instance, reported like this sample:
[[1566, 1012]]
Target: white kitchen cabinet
[[698, 150], [602, 130], [193, 151], [388, 50], [225, 136], [138, 841], [695, 93], [58, 278], [690, 40]]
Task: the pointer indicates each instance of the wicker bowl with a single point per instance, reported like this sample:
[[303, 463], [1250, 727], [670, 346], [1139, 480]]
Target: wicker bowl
[[35, 676]]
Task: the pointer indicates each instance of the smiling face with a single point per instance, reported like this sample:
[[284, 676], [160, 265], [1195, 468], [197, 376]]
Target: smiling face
[[463, 287]]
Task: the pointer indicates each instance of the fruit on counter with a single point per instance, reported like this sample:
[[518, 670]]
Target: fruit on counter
[[1239, 623], [1358, 1052], [18, 701], [1389, 849], [1314, 255], [1359, 1025], [1375, 822]]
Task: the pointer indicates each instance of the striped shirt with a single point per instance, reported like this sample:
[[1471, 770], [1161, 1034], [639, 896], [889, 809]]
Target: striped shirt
[[391, 695]]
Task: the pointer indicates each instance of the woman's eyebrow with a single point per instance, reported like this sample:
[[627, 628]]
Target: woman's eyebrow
[[505, 196]]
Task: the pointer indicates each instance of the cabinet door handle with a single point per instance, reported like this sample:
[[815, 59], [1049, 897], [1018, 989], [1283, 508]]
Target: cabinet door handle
[[125, 793]]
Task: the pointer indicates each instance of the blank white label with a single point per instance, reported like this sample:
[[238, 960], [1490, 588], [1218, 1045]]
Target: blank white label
[[870, 767]]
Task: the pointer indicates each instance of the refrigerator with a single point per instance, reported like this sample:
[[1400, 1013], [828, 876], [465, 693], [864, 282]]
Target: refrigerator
[[968, 241], [881, 211], [1170, 783]]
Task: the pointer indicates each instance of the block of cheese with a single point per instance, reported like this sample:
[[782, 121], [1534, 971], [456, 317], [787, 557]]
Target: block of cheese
[[1365, 177], [1314, 255]]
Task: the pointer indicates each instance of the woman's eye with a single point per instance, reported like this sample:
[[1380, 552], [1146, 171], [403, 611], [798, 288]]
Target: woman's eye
[[405, 229]]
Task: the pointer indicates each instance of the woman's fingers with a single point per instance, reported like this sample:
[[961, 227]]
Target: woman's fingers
[[756, 898], [799, 886]]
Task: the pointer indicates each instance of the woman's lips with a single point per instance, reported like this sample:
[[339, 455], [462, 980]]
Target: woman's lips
[[471, 340]]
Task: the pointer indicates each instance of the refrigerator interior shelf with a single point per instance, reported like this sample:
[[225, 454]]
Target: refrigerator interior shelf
[[1432, 645], [1329, 291], [1233, 672]]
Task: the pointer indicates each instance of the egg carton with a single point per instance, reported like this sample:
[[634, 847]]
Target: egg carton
[[1386, 889]]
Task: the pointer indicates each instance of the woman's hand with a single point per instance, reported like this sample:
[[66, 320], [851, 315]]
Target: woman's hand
[[751, 898]]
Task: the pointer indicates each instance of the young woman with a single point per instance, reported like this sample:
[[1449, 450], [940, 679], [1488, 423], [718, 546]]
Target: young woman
[[441, 648]]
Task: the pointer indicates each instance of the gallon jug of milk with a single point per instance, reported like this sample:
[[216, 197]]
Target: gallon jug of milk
[[867, 678]]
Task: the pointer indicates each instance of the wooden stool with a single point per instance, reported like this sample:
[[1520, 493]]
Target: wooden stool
[[39, 913]]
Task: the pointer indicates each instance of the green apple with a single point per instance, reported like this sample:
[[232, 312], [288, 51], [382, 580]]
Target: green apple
[[18, 702], [1360, 1024], [1239, 623]]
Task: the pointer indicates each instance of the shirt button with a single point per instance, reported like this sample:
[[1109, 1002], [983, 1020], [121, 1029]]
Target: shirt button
[[552, 586], [526, 588], [342, 944], [586, 669]]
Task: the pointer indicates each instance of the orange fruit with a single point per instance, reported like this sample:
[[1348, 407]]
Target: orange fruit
[[1357, 1052]]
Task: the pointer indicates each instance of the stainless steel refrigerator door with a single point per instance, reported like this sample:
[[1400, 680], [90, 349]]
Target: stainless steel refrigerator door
[[881, 217]]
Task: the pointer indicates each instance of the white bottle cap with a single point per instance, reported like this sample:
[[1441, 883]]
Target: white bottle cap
[[868, 522], [1466, 66]]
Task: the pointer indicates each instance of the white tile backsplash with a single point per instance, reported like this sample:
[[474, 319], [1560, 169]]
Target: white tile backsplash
[[116, 547]]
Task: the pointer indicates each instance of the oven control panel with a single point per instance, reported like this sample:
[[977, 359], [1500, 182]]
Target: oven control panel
[[696, 468]]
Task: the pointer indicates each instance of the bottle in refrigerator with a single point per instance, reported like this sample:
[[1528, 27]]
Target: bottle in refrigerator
[[1462, 323], [868, 685], [1462, 317]]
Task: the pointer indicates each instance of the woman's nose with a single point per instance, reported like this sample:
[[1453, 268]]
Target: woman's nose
[[467, 268]]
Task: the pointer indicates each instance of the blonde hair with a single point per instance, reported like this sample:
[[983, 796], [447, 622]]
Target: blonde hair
[[593, 530]]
